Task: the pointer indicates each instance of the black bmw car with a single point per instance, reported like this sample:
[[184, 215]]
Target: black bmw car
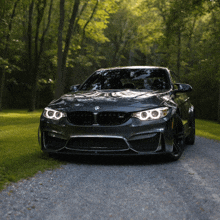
[[134, 110]]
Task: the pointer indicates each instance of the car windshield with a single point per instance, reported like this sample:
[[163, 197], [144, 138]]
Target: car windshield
[[148, 79]]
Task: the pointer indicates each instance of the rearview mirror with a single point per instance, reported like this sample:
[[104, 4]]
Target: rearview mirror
[[74, 88], [182, 88]]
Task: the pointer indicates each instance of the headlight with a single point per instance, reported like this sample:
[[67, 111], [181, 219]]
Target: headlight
[[151, 114], [53, 114]]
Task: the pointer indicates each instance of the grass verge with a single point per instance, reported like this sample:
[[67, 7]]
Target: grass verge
[[208, 129], [20, 154]]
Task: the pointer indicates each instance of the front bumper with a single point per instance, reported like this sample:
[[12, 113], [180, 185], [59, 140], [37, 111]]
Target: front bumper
[[131, 138]]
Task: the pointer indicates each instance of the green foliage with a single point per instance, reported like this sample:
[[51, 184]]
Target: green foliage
[[20, 154], [179, 35], [95, 28]]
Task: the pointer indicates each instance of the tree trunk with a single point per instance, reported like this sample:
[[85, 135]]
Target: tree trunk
[[189, 45], [2, 81], [219, 105], [179, 52], [37, 53], [5, 54], [29, 37], [59, 86], [62, 56], [89, 20], [70, 32], [67, 42]]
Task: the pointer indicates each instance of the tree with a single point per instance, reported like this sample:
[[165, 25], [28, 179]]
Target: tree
[[62, 56], [40, 6], [89, 24], [4, 57]]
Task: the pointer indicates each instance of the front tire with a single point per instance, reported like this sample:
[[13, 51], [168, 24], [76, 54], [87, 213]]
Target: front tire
[[178, 141], [190, 139]]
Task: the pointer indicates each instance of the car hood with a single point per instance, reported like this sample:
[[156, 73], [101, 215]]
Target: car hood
[[124, 100]]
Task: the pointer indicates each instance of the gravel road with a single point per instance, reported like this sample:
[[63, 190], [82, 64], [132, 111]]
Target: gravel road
[[122, 188]]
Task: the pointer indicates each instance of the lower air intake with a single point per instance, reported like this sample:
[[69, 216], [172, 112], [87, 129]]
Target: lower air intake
[[97, 144]]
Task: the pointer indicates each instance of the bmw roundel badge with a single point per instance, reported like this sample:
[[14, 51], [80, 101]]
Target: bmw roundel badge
[[97, 108]]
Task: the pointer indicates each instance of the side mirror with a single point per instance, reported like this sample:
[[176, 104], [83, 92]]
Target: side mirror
[[182, 88], [74, 88]]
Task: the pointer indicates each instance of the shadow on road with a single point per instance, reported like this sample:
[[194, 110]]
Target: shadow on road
[[115, 160]]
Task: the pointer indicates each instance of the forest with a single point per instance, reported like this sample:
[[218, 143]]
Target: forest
[[48, 45]]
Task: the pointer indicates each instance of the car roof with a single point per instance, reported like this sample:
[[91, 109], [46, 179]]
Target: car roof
[[133, 67]]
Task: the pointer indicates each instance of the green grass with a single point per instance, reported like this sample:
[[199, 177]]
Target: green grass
[[208, 129], [20, 154]]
